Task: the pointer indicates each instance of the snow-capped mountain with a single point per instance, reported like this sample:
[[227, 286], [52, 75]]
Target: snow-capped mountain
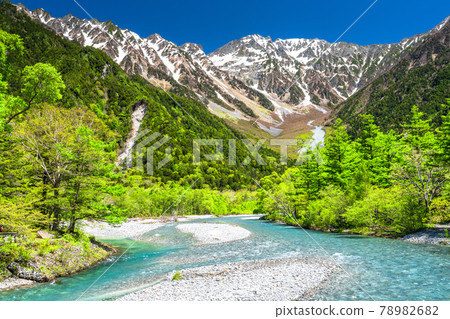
[[159, 61], [322, 71], [420, 78], [250, 78]]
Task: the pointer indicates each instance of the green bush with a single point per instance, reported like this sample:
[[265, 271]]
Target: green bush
[[177, 275], [440, 211], [329, 209], [388, 210]]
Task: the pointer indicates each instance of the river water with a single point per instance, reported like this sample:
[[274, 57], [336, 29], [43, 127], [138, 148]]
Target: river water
[[385, 269]]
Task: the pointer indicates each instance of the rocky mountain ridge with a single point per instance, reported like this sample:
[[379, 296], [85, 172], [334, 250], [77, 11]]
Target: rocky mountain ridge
[[249, 78], [421, 77], [323, 71], [159, 61]]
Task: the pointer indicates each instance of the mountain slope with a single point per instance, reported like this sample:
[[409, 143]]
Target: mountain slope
[[421, 77], [95, 81], [159, 61], [325, 73], [279, 83]]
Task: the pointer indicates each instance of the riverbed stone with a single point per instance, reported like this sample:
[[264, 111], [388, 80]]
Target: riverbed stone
[[435, 235], [26, 273], [271, 279]]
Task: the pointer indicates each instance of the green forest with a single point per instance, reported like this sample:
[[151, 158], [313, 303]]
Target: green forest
[[386, 184]]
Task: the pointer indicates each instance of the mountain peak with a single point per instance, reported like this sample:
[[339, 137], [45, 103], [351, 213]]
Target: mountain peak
[[258, 38], [154, 37], [44, 15], [69, 17], [36, 11], [193, 48], [442, 24]]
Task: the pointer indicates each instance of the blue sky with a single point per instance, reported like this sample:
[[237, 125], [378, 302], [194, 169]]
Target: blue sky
[[214, 23]]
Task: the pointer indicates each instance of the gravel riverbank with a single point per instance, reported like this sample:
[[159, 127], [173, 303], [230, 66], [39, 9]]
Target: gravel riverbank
[[273, 279], [12, 283], [131, 229], [435, 236], [212, 233]]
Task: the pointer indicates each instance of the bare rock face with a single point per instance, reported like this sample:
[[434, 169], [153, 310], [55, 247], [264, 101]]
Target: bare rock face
[[25, 273]]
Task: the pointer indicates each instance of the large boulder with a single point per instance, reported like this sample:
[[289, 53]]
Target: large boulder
[[26, 273]]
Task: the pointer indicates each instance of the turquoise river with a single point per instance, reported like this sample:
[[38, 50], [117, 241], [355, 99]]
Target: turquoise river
[[385, 269]]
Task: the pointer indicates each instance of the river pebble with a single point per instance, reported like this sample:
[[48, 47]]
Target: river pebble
[[133, 228], [11, 283], [435, 235], [273, 279], [214, 233]]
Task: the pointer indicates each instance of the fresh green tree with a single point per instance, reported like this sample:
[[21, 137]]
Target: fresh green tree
[[309, 177], [20, 216], [443, 137], [419, 173], [423, 180], [68, 161], [329, 210], [379, 151], [86, 178], [387, 210], [418, 134], [41, 83], [9, 44], [341, 156]]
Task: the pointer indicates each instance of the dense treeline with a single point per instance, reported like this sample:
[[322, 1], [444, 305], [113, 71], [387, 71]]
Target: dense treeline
[[385, 183]]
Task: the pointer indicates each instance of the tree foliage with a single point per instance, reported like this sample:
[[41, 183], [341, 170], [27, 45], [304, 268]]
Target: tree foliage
[[385, 183]]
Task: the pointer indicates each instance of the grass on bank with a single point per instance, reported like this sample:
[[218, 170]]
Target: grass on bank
[[52, 258]]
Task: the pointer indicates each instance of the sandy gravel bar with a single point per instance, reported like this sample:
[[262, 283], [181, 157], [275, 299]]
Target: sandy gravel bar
[[210, 233], [130, 229], [191, 217], [12, 283], [434, 235], [271, 280]]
